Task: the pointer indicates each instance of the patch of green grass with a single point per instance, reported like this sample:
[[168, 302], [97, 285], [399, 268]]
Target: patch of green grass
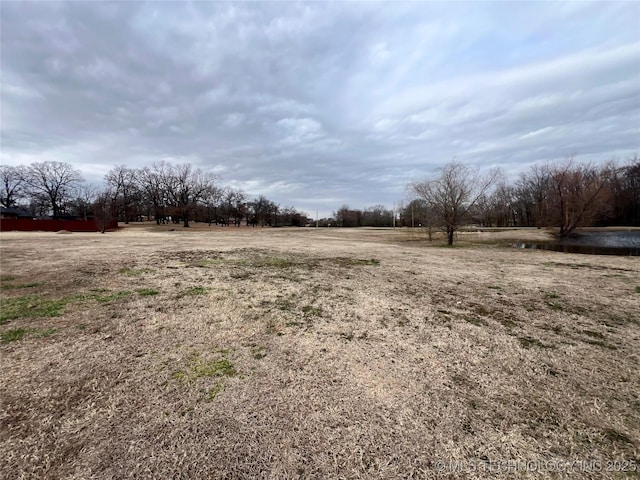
[[214, 391], [6, 277], [274, 262], [34, 306], [9, 286], [133, 272], [101, 298], [147, 292], [194, 291], [19, 333], [43, 333], [205, 262], [13, 335], [638, 289], [114, 296], [214, 368], [198, 367], [30, 306]]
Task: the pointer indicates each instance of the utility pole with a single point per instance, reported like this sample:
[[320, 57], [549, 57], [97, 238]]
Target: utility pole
[[316, 218]]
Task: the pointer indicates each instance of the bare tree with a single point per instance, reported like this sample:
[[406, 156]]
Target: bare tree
[[55, 180], [104, 208], [185, 187], [211, 200], [81, 205], [378, 216], [13, 184], [347, 217], [498, 208], [123, 182], [453, 194], [233, 204], [578, 194], [262, 211], [151, 181]]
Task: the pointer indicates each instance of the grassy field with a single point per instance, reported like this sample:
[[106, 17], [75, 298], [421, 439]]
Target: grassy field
[[312, 353]]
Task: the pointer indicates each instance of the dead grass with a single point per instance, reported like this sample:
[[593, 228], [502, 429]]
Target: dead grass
[[313, 353]]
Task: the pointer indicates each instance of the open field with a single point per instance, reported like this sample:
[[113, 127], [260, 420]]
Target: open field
[[312, 353]]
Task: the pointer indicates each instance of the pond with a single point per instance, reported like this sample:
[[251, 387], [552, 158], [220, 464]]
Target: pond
[[626, 243]]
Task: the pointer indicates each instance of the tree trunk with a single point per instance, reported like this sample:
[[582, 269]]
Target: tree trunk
[[450, 232]]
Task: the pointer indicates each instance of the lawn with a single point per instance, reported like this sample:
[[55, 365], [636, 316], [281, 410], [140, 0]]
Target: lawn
[[312, 353]]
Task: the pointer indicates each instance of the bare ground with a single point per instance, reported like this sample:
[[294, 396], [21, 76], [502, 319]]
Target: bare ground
[[313, 353]]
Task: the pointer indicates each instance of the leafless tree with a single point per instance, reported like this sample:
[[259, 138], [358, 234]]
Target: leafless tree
[[55, 180], [123, 182], [84, 198], [233, 204], [13, 184], [453, 194], [185, 187], [498, 209], [578, 194], [211, 201], [104, 208], [347, 217], [624, 186], [262, 210], [151, 182]]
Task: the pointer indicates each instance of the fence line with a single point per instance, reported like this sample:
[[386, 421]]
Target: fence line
[[31, 225]]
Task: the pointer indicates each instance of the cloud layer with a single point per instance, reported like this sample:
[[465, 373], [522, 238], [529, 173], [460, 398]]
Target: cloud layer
[[319, 104]]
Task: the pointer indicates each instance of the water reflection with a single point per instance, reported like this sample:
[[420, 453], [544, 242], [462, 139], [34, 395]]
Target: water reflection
[[592, 243]]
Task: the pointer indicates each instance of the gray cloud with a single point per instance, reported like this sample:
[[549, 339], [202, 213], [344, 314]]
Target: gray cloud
[[318, 104]]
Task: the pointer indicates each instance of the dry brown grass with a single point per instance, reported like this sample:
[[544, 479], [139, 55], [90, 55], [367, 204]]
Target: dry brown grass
[[257, 353]]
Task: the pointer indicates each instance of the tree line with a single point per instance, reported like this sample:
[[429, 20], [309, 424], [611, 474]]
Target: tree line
[[165, 192], [565, 195]]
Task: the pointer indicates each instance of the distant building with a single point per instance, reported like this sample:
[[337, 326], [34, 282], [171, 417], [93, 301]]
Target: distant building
[[14, 213]]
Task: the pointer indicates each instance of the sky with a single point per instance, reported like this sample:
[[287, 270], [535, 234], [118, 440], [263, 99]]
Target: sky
[[319, 104]]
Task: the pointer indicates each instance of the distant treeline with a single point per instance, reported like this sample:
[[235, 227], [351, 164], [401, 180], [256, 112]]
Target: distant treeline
[[564, 194], [162, 192]]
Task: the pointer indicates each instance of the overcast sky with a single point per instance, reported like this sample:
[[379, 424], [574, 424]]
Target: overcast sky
[[319, 104]]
